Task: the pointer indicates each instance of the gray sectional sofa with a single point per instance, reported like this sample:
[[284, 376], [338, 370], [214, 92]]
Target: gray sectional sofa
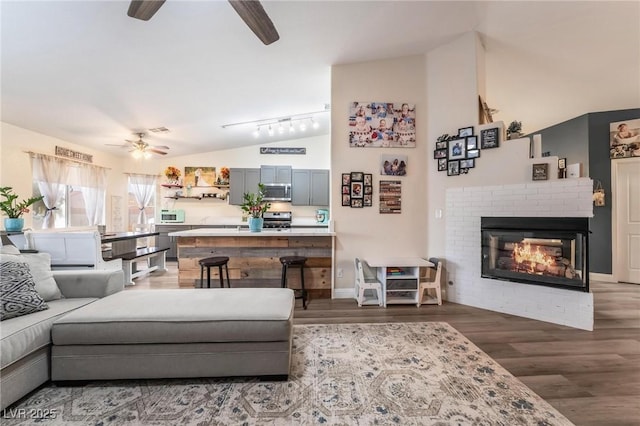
[[25, 341]]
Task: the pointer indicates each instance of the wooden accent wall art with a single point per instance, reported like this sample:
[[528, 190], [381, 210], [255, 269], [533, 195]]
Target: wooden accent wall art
[[382, 125], [390, 197], [458, 154], [357, 189]]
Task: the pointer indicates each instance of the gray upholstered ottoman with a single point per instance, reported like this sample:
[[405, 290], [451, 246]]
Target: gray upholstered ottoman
[[139, 334]]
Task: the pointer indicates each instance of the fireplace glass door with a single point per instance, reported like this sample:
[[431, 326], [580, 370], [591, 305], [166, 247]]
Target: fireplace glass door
[[550, 257]]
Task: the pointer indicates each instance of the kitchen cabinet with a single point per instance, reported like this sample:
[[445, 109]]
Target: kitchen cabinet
[[164, 240], [310, 187], [240, 181], [275, 174]]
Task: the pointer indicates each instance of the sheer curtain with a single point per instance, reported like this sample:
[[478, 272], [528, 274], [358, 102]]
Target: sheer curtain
[[143, 187], [93, 181], [50, 174]]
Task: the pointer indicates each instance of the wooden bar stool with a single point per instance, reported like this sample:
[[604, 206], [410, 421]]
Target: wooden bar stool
[[210, 262], [298, 262]]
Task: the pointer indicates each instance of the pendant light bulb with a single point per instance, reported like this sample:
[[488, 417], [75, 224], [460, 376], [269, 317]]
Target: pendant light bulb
[[314, 124], [291, 128], [256, 132], [303, 126]]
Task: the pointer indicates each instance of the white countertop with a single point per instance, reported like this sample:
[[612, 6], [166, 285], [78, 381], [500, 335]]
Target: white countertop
[[244, 232], [237, 221]]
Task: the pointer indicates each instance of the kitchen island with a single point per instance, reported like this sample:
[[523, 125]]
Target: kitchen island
[[254, 256]]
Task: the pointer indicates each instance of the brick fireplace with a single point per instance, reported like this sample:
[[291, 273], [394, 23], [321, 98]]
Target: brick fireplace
[[465, 208]]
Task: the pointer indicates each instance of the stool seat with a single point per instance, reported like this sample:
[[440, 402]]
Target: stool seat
[[211, 262], [293, 260], [296, 262]]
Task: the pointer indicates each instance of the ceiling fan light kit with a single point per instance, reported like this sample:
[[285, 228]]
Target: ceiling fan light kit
[[141, 149], [251, 12]]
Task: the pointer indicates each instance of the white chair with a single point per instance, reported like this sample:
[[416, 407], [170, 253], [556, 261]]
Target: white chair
[[435, 284], [368, 290]]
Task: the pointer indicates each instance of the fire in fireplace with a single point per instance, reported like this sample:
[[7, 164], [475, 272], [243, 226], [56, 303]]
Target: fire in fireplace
[[544, 251]]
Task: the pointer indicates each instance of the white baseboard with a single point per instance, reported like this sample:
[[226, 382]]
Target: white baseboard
[[607, 278], [343, 293]]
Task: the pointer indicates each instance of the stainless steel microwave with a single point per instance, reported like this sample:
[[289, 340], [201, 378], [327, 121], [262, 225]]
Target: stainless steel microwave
[[172, 216], [277, 191]]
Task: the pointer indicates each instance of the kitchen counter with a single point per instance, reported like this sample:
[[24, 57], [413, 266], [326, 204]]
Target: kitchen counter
[[254, 256], [244, 232]]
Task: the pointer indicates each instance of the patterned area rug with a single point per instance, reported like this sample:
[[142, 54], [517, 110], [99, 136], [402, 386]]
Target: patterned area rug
[[345, 374]]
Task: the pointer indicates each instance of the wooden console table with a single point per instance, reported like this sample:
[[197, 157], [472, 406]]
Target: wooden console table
[[400, 278]]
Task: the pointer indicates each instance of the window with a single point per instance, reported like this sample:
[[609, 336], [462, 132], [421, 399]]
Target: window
[[70, 210], [142, 192]]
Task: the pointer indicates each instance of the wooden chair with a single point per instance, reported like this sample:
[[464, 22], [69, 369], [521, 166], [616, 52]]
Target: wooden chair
[[435, 284], [368, 290]]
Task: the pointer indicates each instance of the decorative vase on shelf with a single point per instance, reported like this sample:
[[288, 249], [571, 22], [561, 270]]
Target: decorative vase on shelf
[[13, 224], [255, 224]]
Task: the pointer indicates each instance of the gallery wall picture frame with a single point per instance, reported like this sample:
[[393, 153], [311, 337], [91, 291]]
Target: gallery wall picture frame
[[357, 190], [467, 163], [346, 178], [540, 171], [457, 149], [199, 176], [441, 145], [465, 131], [393, 164], [440, 153], [382, 125], [346, 200], [357, 176], [472, 142], [453, 168], [390, 197], [442, 164], [368, 180], [473, 153], [491, 135], [367, 201]]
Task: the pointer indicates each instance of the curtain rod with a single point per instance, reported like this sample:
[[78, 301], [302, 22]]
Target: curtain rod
[[31, 153]]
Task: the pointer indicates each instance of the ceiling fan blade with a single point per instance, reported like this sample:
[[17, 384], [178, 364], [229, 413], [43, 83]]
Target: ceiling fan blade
[[157, 151], [159, 147], [117, 144], [254, 15], [144, 9]]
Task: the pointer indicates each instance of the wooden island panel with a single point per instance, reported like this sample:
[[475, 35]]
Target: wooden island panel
[[254, 261]]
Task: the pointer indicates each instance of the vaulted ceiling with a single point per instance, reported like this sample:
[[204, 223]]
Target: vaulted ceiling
[[85, 72]]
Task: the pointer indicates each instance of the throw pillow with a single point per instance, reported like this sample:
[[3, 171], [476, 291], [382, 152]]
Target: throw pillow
[[18, 295], [40, 267]]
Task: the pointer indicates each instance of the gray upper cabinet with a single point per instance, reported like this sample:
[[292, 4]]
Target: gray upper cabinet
[[310, 187], [241, 181], [275, 174]]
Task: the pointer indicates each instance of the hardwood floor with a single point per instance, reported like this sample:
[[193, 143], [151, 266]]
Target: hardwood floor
[[593, 378]]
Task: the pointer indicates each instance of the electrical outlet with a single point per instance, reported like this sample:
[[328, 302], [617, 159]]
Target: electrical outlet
[[340, 273]]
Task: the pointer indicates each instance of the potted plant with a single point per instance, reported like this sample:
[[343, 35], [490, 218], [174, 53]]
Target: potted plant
[[14, 209], [514, 131], [255, 206]]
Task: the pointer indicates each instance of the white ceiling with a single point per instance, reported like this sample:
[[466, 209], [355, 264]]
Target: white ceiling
[[84, 72]]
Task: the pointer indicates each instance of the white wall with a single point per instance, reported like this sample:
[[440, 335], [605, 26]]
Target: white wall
[[15, 163], [364, 232]]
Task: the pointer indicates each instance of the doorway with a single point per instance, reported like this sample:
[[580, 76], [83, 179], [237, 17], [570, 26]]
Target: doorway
[[626, 175]]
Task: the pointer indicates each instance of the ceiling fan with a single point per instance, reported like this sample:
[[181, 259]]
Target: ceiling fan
[[142, 148], [251, 12]]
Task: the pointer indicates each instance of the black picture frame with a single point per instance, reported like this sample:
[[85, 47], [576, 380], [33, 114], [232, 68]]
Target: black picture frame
[[357, 203], [473, 153], [540, 171], [368, 189], [465, 131], [441, 145], [467, 163], [440, 153], [357, 190], [453, 168], [442, 164], [346, 189], [346, 200], [368, 179], [562, 163], [490, 138], [367, 201], [457, 149], [472, 142], [357, 176], [346, 178]]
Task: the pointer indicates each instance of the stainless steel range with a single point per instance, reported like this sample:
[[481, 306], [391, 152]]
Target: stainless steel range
[[277, 220]]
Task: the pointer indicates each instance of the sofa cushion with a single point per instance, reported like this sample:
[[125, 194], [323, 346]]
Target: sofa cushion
[[23, 335], [40, 266], [180, 316], [18, 295]]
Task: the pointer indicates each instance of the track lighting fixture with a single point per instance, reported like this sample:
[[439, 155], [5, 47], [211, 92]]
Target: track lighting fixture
[[305, 120]]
